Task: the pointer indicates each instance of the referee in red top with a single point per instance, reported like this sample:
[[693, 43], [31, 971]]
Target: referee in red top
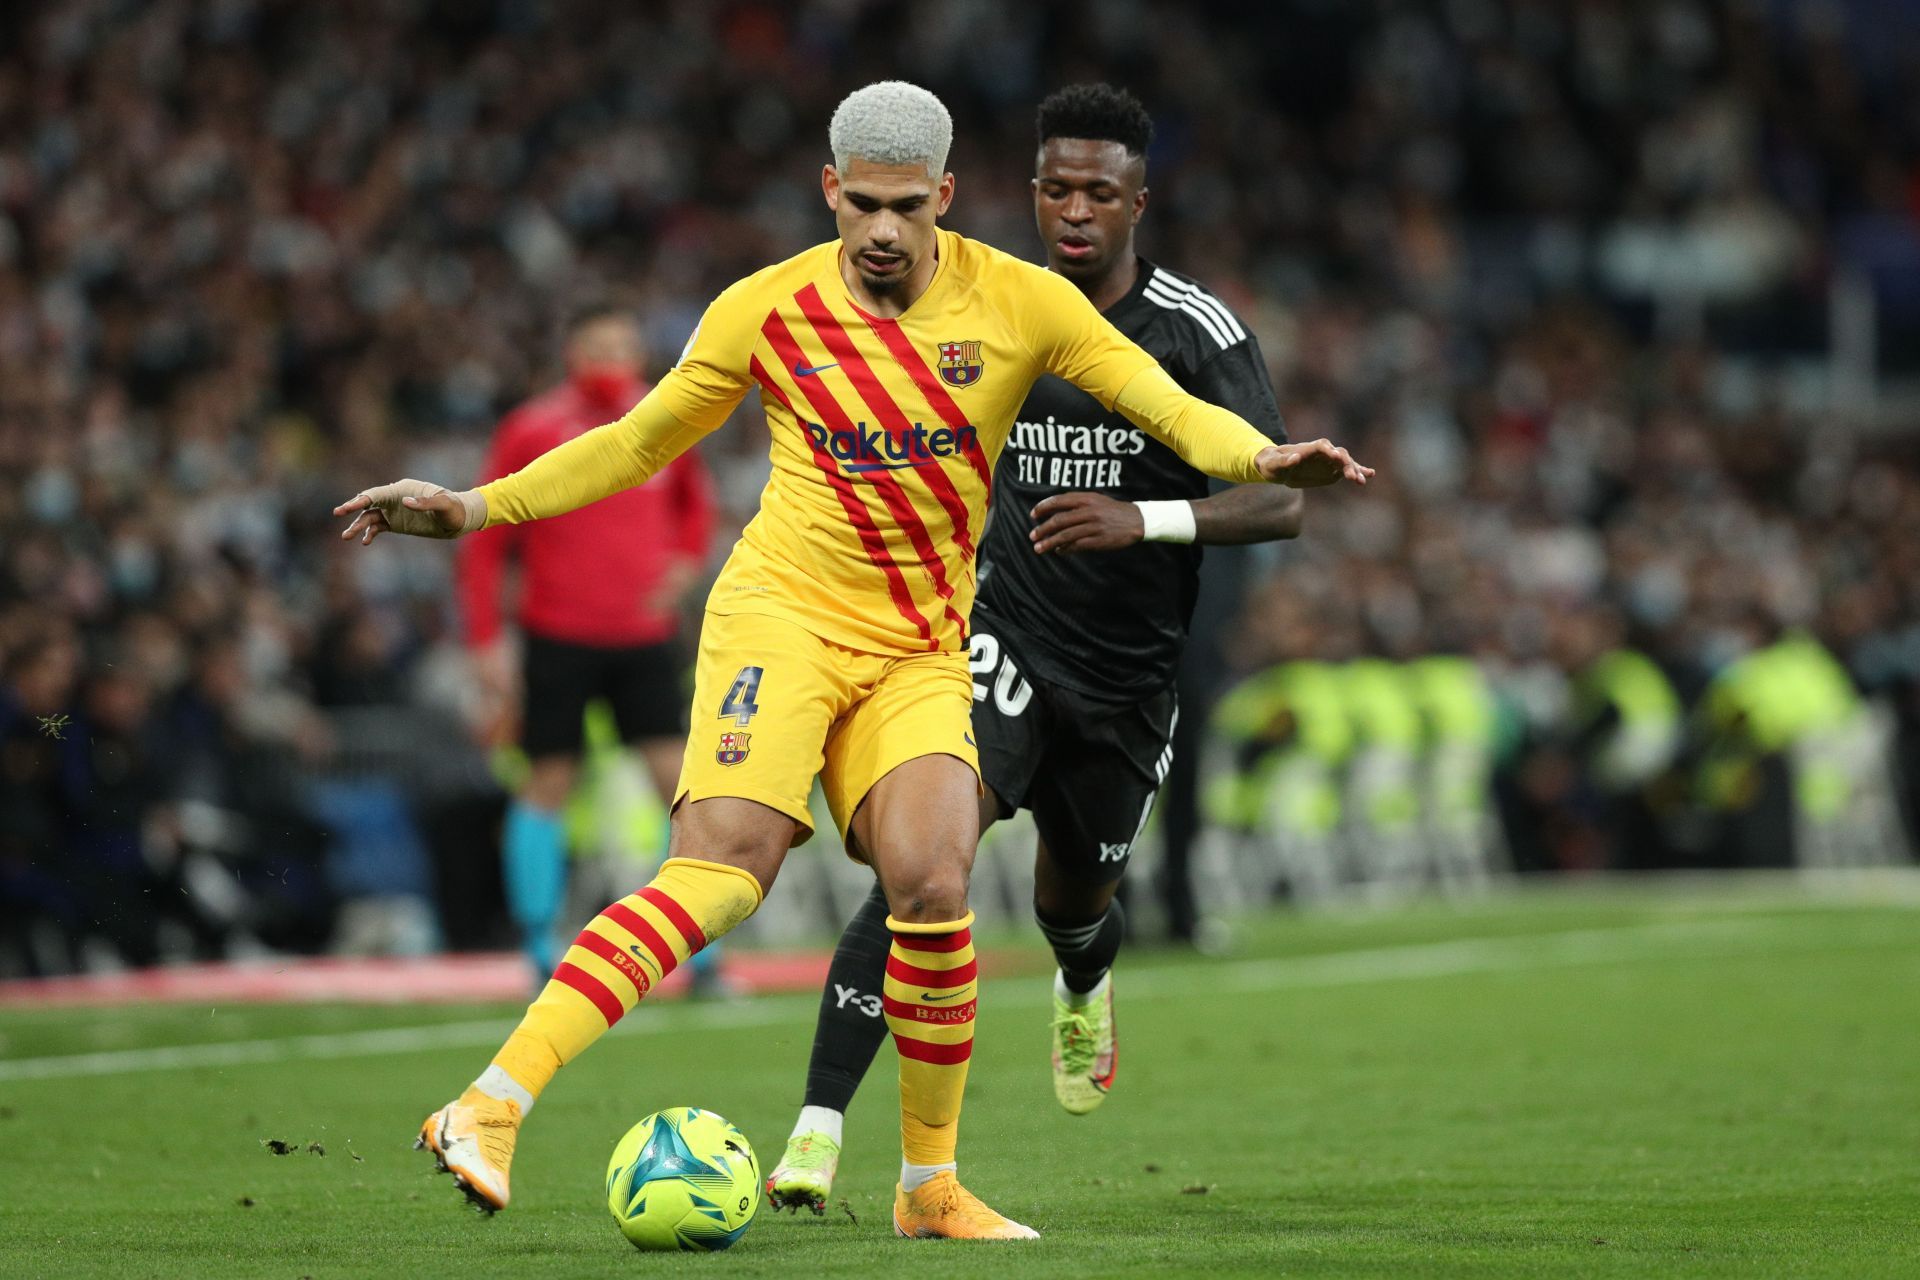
[[600, 590]]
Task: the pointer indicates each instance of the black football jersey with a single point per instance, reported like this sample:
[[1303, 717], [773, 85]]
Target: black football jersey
[[1112, 623]]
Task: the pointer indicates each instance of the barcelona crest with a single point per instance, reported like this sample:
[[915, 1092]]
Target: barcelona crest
[[960, 363], [733, 748]]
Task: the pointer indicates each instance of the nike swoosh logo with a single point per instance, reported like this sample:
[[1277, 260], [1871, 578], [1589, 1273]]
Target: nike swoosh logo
[[951, 995], [803, 371], [969, 738]]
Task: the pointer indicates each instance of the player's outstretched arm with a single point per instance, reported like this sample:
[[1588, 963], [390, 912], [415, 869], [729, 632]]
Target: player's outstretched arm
[[1312, 465], [1225, 445], [585, 469], [695, 397], [415, 507], [1075, 342]]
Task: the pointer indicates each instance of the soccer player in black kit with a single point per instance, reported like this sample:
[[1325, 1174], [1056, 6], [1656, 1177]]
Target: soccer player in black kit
[[1088, 576]]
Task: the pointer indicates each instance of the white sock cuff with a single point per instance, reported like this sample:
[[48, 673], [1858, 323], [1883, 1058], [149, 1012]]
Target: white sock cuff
[[496, 1083], [913, 1175], [819, 1120], [1080, 999]]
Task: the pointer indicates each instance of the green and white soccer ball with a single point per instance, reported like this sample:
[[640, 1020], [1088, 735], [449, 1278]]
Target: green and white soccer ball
[[683, 1178]]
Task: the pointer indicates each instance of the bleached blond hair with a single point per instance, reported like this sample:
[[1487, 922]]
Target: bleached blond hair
[[891, 122]]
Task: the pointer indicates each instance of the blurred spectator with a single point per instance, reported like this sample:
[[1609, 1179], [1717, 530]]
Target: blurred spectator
[[601, 592]]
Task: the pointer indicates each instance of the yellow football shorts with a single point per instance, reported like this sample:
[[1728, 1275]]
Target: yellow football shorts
[[774, 705]]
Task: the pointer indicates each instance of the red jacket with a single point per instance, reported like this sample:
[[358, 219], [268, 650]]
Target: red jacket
[[587, 577]]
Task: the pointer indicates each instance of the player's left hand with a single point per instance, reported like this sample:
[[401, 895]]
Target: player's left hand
[[1073, 522], [1310, 465]]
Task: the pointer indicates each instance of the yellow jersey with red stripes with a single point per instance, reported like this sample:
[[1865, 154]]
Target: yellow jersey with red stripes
[[884, 433]]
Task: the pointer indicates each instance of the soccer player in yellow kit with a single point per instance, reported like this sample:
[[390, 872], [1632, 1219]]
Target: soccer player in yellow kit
[[890, 364]]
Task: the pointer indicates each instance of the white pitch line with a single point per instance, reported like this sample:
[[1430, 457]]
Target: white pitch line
[[233, 1053], [1336, 969], [1455, 957]]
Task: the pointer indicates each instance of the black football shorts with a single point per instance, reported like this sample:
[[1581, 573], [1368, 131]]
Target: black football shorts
[[1087, 768], [645, 685]]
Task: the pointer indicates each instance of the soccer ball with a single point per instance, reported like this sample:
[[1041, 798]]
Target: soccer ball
[[683, 1178]]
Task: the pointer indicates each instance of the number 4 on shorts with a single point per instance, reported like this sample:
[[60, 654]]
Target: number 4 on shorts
[[739, 701]]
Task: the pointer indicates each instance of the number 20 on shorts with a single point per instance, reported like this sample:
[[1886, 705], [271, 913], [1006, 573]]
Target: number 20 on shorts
[[1011, 692]]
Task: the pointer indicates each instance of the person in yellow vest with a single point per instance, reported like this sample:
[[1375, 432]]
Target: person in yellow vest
[[1770, 764], [1289, 736], [1279, 742], [1459, 717], [1383, 789], [1625, 724]]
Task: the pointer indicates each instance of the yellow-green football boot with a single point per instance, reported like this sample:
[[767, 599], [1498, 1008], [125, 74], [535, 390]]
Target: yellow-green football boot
[[804, 1175], [1086, 1052]]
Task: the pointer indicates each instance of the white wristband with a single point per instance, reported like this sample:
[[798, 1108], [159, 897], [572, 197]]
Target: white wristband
[[1167, 521]]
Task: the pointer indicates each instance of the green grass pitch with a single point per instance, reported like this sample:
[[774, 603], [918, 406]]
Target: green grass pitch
[[1712, 1079]]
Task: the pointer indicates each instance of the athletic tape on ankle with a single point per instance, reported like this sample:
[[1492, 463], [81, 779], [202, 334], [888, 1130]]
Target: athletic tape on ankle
[[496, 1083]]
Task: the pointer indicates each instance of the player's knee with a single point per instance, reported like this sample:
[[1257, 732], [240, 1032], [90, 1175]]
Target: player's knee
[[929, 897], [734, 832]]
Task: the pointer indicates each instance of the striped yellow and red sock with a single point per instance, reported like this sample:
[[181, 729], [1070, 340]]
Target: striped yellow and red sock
[[616, 960], [931, 992]]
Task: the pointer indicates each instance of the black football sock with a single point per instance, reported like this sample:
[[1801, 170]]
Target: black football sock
[[852, 1021], [1085, 951]]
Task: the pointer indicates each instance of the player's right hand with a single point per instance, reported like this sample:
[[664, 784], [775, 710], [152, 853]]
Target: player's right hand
[[1310, 465], [413, 507], [1066, 523]]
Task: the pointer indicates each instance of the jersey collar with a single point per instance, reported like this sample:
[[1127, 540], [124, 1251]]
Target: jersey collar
[[1142, 272], [1142, 269]]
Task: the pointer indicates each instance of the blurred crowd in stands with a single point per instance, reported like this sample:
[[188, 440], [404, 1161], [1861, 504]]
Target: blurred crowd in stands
[[1563, 271]]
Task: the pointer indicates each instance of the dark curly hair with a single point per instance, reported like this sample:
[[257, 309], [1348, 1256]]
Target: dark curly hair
[[1098, 112]]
